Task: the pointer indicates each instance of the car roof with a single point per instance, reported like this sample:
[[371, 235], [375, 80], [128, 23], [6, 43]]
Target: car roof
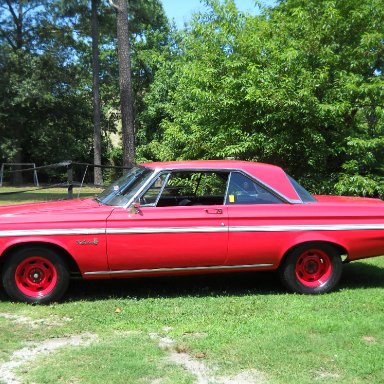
[[269, 174]]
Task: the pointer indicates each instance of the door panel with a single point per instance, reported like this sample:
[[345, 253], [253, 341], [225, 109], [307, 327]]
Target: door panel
[[167, 237]]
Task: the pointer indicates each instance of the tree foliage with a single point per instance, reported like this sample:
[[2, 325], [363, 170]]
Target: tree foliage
[[299, 85], [46, 75], [41, 106]]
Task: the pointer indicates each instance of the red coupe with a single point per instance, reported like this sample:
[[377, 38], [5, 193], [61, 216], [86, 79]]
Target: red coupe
[[186, 218]]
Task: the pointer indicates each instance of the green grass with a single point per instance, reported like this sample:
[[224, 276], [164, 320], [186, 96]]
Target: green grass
[[11, 195], [115, 358], [233, 322]]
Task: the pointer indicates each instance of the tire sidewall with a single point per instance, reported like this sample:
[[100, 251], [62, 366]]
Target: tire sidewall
[[9, 275], [288, 269]]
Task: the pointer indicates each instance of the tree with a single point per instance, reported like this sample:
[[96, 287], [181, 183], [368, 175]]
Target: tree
[[125, 82], [53, 114], [299, 85], [15, 39], [35, 109], [98, 177]]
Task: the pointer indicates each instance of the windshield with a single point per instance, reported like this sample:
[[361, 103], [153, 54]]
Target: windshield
[[122, 190]]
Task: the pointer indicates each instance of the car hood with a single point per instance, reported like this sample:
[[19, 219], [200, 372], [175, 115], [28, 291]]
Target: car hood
[[57, 211]]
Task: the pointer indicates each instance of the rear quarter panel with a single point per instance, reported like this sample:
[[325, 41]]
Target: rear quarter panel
[[264, 233]]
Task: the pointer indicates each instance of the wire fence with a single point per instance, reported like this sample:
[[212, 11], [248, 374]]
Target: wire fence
[[66, 174]]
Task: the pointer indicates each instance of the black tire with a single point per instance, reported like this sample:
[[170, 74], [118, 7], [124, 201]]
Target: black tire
[[35, 275], [311, 268]]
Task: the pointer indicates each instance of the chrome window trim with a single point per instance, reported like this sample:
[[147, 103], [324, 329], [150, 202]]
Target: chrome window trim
[[158, 171], [275, 193], [155, 172], [291, 180], [161, 190], [273, 190], [129, 201], [163, 186], [227, 188]]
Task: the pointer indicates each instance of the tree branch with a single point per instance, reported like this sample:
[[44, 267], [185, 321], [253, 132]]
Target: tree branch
[[15, 18], [30, 9], [5, 35]]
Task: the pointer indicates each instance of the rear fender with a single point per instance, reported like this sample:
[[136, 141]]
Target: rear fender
[[313, 237]]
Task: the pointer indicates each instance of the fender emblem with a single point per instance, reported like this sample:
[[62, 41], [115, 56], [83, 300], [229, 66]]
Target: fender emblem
[[87, 242]]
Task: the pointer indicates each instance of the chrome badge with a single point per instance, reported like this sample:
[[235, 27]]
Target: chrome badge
[[87, 242]]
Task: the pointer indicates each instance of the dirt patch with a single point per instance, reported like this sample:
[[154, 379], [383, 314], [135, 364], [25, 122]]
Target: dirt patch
[[205, 374], [26, 354], [52, 321], [323, 374], [369, 339]]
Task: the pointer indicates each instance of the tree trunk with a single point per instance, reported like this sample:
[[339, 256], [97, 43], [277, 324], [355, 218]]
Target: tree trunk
[[98, 176], [125, 81], [17, 176]]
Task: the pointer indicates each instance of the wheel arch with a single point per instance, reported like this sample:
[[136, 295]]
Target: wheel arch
[[63, 253], [339, 248]]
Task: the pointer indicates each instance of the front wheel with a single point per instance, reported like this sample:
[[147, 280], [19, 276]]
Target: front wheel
[[311, 268], [35, 275]]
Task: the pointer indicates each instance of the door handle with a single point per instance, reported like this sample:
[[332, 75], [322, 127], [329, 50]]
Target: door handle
[[213, 211]]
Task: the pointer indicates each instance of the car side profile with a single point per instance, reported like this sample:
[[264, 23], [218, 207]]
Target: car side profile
[[190, 217]]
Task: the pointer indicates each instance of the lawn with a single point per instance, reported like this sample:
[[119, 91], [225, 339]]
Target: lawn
[[11, 195], [237, 328]]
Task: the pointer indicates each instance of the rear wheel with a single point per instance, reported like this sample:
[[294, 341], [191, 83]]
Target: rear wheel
[[35, 275], [311, 268]]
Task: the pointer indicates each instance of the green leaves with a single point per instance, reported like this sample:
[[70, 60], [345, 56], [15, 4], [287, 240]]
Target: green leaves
[[294, 85], [45, 81], [299, 85]]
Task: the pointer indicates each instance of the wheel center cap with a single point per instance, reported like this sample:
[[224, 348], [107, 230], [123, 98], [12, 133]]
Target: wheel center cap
[[36, 275], [311, 267]]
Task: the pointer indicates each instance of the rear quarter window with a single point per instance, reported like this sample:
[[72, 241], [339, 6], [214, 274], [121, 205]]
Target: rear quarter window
[[304, 195]]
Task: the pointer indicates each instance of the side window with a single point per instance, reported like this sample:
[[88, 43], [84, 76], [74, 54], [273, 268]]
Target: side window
[[152, 194], [304, 195], [243, 190], [194, 188]]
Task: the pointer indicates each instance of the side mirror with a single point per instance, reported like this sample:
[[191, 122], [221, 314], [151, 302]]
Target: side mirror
[[135, 208]]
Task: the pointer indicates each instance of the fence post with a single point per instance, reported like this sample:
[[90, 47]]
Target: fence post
[[70, 180], [1, 175]]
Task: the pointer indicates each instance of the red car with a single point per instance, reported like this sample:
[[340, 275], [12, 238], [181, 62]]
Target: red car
[[186, 218]]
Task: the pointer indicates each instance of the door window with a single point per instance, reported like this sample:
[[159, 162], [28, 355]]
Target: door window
[[152, 194], [183, 188]]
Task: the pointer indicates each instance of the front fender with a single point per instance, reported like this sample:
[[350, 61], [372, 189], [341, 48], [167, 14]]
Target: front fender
[[87, 251]]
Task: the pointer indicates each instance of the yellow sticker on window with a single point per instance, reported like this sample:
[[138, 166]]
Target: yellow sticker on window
[[231, 198]]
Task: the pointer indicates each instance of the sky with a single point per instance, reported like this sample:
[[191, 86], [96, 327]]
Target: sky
[[181, 10]]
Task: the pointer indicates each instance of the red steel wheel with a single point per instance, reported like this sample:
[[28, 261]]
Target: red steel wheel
[[35, 275], [311, 268]]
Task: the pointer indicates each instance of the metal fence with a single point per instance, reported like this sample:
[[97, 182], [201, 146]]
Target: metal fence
[[63, 174]]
